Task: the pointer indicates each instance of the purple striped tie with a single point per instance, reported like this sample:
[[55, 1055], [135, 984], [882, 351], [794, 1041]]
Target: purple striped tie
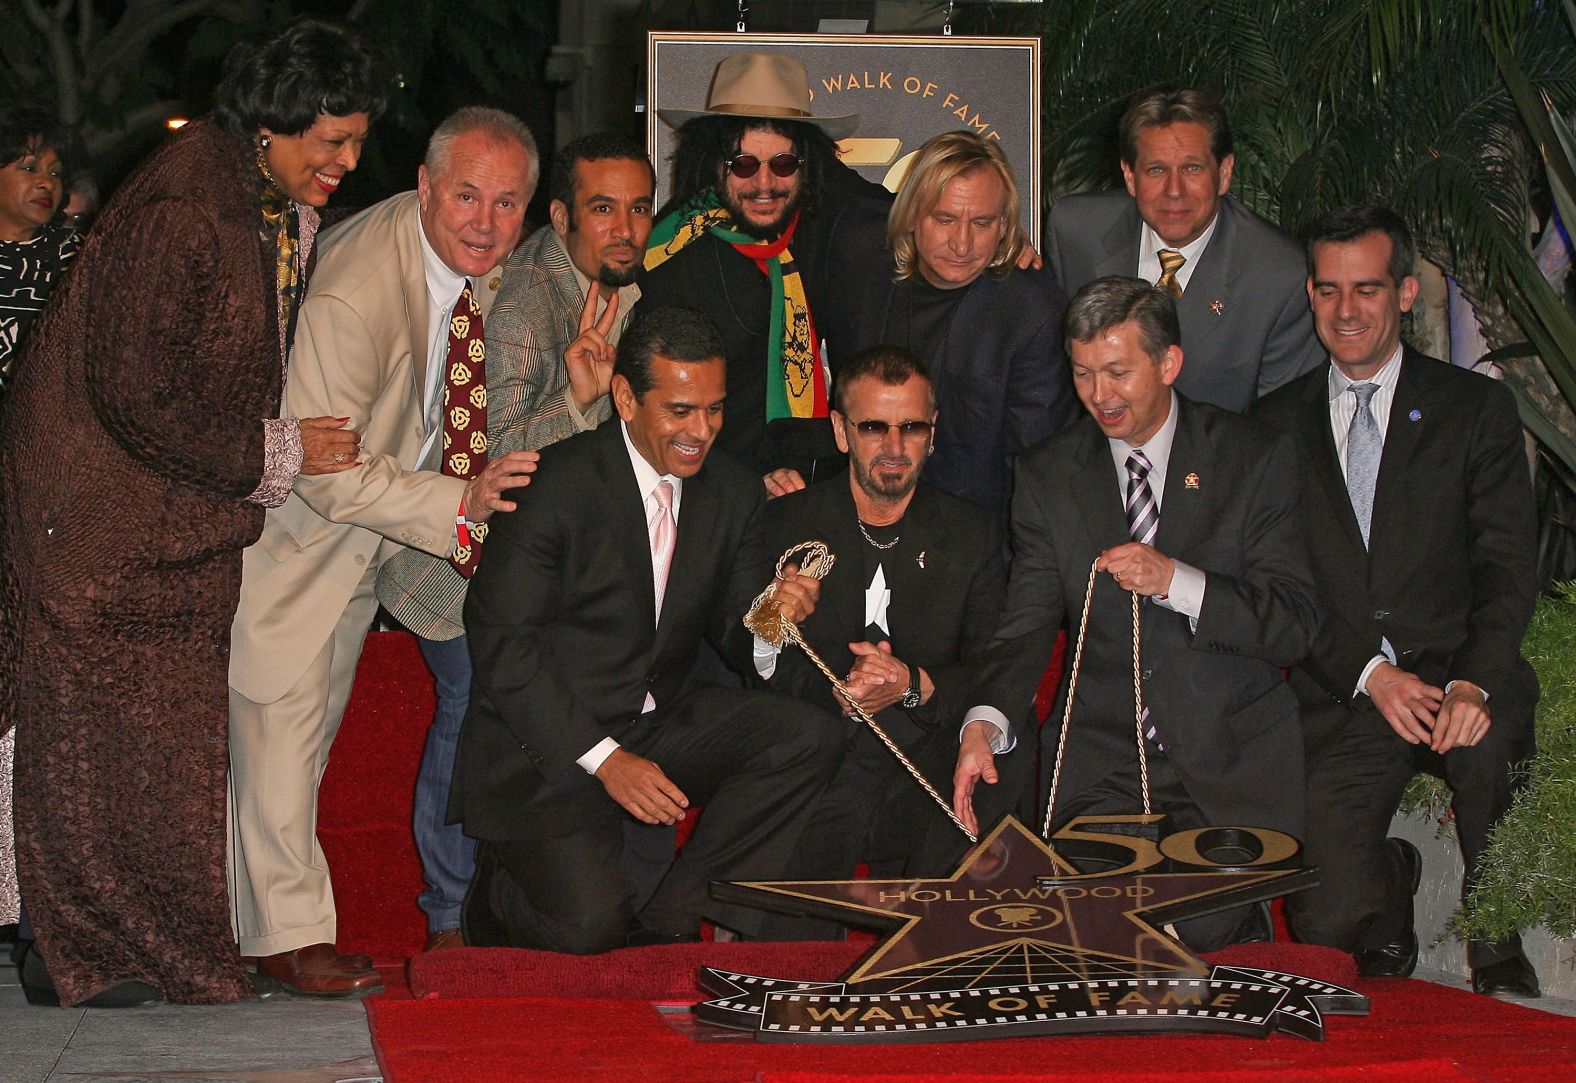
[[1143, 523]]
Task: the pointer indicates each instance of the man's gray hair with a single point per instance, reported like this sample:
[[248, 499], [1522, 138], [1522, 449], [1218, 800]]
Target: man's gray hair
[[1116, 299], [502, 126]]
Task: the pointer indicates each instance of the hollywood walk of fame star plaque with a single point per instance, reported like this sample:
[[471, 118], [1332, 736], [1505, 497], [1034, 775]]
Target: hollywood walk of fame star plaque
[[1017, 942]]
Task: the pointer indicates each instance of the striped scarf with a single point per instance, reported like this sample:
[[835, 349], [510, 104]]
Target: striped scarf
[[795, 375]]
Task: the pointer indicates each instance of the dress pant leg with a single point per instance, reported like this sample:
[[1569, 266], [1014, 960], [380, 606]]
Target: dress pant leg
[[1484, 780], [1357, 770], [568, 887], [280, 892], [759, 763], [448, 857]]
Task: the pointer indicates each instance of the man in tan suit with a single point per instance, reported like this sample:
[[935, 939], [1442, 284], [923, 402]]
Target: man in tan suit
[[567, 292], [393, 285]]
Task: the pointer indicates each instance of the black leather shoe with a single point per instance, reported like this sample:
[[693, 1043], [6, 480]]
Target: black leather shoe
[[1398, 958], [642, 937], [479, 926], [1258, 927], [1508, 979], [39, 989]]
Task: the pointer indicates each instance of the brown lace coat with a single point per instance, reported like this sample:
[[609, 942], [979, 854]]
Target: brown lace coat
[[128, 446]]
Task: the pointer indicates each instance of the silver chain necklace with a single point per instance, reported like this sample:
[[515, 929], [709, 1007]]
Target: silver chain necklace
[[883, 546]]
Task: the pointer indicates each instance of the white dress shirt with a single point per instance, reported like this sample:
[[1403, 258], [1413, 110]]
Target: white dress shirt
[[1150, 244], [1186, 594], [443, 293], [646, 481]]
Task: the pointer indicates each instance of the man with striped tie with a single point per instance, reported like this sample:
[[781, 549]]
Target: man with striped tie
[[1194, 510]]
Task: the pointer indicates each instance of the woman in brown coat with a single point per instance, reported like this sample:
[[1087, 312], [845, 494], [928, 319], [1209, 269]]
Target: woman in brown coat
[[139, 447]]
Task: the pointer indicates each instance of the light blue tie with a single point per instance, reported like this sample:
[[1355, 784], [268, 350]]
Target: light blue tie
[[1363, 448]]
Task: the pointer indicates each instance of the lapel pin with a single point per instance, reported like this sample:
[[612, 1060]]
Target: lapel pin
[[1415, 415], [1218, 307], [920, 560], [1191, 481], [495, 282]]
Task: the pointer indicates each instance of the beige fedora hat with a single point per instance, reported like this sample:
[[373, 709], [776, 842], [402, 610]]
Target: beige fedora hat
[[767, 86]]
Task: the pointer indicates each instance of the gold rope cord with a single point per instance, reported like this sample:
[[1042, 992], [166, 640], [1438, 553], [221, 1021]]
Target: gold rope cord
[[1072, 688], [765, 619]]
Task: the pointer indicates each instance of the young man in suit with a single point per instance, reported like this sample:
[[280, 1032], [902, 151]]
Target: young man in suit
[[940, 276], [566, 294], [1195, 510], [1420, 517], [1237, 278], [905, 612], [397, 298], [587, 706]]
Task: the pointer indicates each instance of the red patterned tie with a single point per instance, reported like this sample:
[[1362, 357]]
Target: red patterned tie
[[465, 416]]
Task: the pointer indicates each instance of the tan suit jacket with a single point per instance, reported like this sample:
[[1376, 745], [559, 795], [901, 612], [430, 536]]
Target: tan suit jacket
[[360, 351], [529, 406]]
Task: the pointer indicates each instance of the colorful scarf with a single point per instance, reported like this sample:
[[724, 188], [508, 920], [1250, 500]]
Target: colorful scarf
[[279, 213], [795, 376]]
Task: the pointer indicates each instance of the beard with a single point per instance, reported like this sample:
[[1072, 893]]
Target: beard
[[615, 277], [761, 231], [879, 478]]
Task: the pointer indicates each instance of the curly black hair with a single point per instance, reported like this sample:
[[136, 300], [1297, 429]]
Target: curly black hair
[[27, 129], [705, 143], [310, 67]]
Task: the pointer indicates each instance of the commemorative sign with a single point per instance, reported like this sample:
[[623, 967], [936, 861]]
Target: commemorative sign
[[904, 89], [1018, 943]]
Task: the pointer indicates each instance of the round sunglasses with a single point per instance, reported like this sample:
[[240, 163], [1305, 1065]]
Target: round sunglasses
[[745, 166]]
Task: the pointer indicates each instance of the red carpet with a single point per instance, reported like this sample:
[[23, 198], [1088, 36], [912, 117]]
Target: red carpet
[[667, 972], [1416, 1031], [364, 807]]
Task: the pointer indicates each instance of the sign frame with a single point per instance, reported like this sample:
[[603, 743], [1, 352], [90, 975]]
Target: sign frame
[[670, 47]]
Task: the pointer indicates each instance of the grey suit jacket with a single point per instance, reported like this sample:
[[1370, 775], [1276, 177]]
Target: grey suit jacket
[[360, 351], [1246, 326], [534, 319], [1225, 713]]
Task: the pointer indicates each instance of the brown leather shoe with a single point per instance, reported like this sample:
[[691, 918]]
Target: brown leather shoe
[[317, 970], [444, 938]]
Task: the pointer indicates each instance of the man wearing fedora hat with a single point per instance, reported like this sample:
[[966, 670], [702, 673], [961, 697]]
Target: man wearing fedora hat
[[756, 190]]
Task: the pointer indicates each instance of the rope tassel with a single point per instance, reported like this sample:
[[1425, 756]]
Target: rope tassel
[[765, 619]]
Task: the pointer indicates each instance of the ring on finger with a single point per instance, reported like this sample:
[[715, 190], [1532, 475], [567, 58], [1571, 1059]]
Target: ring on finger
[[338, 457]]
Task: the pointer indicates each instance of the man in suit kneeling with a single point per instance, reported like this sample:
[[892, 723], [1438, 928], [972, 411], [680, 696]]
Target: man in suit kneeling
[[1421, 523], [906, 613], [584, 625], [1195, 510]]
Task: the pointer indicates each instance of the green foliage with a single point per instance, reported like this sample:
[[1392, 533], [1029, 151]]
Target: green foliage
[[1529, 872]]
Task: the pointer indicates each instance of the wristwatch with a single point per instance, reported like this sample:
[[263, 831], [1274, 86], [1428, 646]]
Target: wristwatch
[[911, 697]]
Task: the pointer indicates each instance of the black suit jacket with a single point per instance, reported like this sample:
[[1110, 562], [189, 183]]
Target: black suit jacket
[[1450, 577], [1000, 374], [947, 583], [560, 621], [1225, 714], [1246, 327]]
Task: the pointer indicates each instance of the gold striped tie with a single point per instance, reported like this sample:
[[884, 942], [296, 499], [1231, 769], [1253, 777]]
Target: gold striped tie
[[1171, 262]]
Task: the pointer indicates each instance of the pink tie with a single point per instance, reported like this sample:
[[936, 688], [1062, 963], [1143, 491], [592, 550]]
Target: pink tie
[[663, 534]]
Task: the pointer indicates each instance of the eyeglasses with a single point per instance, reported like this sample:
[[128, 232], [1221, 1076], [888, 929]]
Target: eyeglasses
[[745, 166], [910, 430]]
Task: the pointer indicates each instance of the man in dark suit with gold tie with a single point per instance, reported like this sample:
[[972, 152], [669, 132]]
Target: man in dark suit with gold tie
[[1420, 517], [587, 706]]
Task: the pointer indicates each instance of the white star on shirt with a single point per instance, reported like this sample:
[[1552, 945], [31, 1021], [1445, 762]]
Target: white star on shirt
[[877, 598]]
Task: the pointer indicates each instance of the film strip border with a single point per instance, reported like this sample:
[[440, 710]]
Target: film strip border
[[1233, 1000]]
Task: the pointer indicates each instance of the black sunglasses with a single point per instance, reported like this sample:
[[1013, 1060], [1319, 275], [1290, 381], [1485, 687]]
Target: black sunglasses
[[911, 430], [745, 166]]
